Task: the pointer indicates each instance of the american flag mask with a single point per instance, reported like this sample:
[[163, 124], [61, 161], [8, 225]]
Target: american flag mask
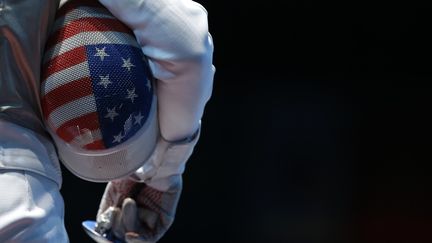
[[97, 93]]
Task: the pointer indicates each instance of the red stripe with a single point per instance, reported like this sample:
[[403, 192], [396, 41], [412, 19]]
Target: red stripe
[[65, 94], [87, 25], [96, 145], [74, 127], [63, 61]]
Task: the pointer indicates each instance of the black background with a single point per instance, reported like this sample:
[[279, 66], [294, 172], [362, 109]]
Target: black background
[[318, 129]]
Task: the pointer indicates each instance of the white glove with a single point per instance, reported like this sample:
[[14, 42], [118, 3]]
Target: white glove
[[174, 36], [142, 207]]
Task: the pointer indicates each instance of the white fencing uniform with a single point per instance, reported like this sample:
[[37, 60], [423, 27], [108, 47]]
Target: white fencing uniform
[[31, 207]]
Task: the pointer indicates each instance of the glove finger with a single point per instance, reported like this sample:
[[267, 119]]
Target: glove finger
[[130, 215], [117, 225]]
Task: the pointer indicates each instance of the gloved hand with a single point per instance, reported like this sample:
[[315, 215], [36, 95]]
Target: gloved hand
[[174, 36], [136, 212], [142, 207]]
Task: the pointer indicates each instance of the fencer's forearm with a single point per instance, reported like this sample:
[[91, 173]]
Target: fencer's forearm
[[174, 35]]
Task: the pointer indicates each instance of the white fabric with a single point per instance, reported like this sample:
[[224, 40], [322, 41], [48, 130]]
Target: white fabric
[[167, 163], [31, 209], [174, 35], [24, 149]]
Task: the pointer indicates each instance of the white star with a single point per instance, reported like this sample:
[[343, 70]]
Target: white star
[[127, 64], [131, 95], [138, 119], [111, 113], [104, 80], [118, 138], [128, 125], [101, 53]]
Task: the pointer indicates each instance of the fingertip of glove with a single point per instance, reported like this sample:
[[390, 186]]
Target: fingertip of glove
[[132, 237], [128, 200], [129, 205]]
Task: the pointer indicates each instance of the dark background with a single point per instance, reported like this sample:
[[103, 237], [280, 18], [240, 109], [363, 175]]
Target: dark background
[[318, 129]]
